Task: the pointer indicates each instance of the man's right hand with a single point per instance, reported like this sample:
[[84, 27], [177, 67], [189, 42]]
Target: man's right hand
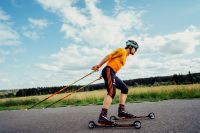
[[95, 68]]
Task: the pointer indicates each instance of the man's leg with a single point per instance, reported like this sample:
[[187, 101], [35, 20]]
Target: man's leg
[[122, 98], [110, 85], [122, 101], [106, 104], [124, 90], [107, 101]]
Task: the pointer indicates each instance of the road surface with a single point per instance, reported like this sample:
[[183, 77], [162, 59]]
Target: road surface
[[172, 116]]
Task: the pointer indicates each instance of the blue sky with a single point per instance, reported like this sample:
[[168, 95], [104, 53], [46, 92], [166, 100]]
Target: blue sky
[[52, 43]]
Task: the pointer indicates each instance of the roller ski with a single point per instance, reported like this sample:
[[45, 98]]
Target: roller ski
[[132, 117], [103, 121], [124, 115], [135, 124]]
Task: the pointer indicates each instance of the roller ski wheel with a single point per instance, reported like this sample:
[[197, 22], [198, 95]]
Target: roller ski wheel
[[113, 118], [91, 124], [151, 115], [135, 124]]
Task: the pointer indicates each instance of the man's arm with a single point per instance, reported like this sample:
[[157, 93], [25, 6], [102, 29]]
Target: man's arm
[[103, 61], [114, 54]]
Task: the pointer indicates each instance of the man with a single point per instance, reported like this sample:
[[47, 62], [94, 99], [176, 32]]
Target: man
[[115, 61]]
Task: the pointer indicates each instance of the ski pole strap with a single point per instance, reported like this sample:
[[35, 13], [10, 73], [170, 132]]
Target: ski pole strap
[[61, 90], [72, 93]]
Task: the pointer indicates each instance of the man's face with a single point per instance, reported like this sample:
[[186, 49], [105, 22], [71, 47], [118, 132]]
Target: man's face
[[133, 50]]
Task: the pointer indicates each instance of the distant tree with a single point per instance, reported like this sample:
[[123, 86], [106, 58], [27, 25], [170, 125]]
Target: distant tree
[[190, 78]]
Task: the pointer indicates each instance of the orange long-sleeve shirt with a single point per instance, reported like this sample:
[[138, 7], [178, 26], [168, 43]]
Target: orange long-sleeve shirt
[[117, 59]]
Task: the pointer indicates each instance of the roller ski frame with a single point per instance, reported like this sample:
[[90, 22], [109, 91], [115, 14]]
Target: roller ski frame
[[150, 116], [135, 124]]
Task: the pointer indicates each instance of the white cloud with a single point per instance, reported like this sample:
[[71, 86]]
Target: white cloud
[[71, 32], [34, 35], [90, 26], [71, 63], [8, 36], [148, 67], [66, 9], [74, 58], [10, 53], [4, 16], [55, 5], [119, 5], [38, 23], [179, 43], [34, 29]]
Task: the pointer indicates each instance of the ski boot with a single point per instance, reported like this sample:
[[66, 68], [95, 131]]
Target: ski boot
[[125, 114], [104, 120]]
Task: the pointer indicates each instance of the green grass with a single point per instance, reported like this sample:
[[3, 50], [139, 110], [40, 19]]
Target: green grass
[[138, 94]]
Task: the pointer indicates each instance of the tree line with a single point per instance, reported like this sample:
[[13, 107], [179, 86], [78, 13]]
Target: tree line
[[175, 79]]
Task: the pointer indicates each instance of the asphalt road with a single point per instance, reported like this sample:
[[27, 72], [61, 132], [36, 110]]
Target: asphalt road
[[172, 116]]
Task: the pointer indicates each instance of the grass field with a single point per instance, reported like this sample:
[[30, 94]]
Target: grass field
[[137, 94]]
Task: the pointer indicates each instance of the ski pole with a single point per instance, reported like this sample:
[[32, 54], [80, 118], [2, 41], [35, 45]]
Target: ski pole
[[61, 90], [72, 93]]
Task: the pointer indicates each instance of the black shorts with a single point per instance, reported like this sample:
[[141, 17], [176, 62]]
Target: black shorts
[[112, 82]]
